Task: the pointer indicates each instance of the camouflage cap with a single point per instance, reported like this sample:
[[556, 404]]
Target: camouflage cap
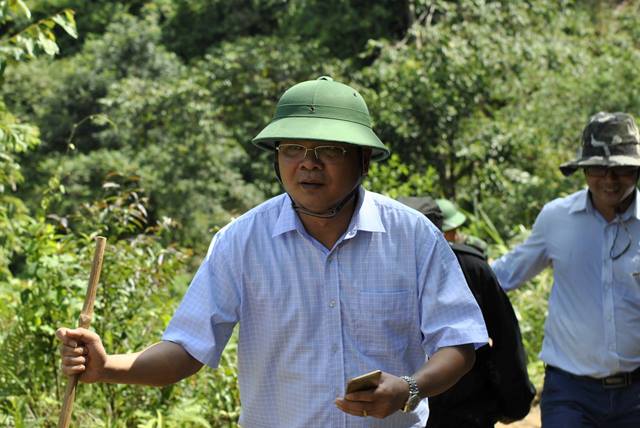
[[609, 139], [427, 206]]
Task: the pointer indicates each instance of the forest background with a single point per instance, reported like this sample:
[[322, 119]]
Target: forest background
[[133, 120]]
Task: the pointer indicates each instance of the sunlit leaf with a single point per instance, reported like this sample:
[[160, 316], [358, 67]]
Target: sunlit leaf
[[49, 46], [66, 20], [23, 7]]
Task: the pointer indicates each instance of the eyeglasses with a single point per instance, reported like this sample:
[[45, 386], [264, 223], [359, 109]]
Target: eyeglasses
[[612, 251], [618, 171], [325, 154]]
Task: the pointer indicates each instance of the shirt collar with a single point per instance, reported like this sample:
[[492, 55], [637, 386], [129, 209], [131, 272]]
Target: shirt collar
[[634, 209], [366, 216], [583, 203], [287, 220]]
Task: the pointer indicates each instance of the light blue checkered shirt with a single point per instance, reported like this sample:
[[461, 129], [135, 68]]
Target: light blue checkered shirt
[[386, 295], [593, 326]]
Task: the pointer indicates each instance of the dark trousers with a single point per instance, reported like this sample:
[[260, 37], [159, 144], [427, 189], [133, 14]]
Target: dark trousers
[[570, 401]]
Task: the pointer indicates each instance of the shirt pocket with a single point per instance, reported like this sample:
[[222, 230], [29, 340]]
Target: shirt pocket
[[627, 275], [382, 322]]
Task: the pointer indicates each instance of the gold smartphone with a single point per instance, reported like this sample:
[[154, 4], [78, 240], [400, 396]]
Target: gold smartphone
[[363, 382]]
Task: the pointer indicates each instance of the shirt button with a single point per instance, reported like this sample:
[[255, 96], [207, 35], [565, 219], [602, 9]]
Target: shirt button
[[334, 348], [332, 303]]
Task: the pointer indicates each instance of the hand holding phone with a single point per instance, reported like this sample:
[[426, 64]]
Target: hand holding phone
[[363, 382]]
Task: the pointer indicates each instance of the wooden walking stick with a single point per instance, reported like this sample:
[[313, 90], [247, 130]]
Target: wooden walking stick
[[84, 322]]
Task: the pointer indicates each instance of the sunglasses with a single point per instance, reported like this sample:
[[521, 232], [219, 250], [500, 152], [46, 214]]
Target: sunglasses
[[617, 171]]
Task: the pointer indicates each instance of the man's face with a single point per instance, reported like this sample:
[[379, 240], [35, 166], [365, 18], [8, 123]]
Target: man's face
[[610, 186], [319, 184]]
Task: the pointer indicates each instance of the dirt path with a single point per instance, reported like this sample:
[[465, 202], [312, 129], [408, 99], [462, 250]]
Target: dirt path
[[531, 421]]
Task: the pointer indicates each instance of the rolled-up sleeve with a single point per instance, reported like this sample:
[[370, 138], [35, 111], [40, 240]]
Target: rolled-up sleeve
[[526, 260], [449, 314], [205, 319]]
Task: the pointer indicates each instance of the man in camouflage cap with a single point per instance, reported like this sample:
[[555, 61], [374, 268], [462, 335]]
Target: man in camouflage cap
[[591, 239], [608, 140]]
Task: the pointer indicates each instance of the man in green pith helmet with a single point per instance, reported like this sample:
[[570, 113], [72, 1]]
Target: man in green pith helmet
[[497, 388], [591, 239], [326, 281], [453, 219]]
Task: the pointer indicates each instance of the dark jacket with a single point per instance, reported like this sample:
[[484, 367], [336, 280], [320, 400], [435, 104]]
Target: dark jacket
[[498, 384]]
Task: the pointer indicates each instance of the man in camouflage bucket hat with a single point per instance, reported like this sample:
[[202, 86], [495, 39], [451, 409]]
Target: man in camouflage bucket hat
[[591, 239], [609, 139], [326, 281]]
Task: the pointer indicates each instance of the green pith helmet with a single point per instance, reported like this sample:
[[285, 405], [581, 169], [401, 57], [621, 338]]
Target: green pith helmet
[[453, 218], [609, 139], [322, 110]]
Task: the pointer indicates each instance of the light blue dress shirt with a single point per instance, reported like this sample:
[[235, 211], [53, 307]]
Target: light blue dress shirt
[[593, 326], [389, 293]]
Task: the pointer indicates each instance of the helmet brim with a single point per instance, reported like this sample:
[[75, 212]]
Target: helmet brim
[[569, 168], [321, 129], [454, 222]]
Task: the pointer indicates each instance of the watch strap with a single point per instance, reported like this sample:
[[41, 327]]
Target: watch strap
[[414, 394]]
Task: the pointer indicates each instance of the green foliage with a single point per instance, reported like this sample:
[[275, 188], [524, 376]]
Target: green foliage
[[15, 138], [41, 283], [21, 40], [234, 19], [140, 276], [342, 27], [434, 91], [25, 39], [345, 27], [42, 89], [178, 139], [93, 17], [395, 179]]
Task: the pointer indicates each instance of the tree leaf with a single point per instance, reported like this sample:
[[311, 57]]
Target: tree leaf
[[23, 7], [67, 21], [49, 46]]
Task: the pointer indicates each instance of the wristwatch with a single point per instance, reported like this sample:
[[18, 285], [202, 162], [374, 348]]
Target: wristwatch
[[414, 394]]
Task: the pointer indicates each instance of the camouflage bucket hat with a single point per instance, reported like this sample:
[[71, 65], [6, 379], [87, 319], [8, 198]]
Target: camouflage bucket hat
[[609, 139], [322, 110]]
